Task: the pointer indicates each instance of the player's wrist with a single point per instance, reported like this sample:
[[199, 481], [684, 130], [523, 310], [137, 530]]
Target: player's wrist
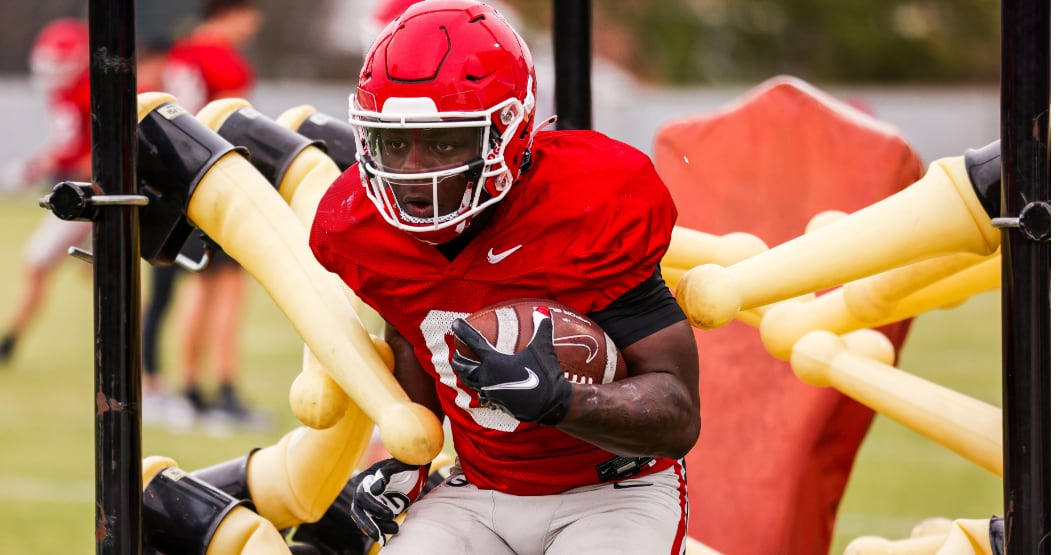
[[554, 413]]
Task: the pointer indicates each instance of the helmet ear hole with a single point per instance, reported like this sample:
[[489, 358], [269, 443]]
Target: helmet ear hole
[[502, 182], [507, 115]]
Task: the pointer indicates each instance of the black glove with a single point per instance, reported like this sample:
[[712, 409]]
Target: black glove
[[383, 492], [529, 385]]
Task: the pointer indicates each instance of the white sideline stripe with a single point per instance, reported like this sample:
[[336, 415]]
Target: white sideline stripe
[[21, 488]]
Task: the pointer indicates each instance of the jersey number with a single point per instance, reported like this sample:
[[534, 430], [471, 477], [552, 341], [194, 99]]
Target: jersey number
[[436, 329]]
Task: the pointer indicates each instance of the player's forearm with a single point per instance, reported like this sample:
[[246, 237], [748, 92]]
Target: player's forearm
[[647, 415]]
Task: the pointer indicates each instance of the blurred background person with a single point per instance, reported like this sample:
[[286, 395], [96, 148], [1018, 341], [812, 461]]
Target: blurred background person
[[150, 63], [58, 64], [205, 65]]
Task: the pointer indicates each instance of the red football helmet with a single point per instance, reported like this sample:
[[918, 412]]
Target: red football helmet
[[59, 54], [455, 74]]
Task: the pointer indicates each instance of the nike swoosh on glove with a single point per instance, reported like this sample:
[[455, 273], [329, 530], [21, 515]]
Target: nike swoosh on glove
[[529, 385], [382, 492]]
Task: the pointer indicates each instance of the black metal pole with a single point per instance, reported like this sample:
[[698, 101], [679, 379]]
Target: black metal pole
[[115, 246], [1026, 273], [572, 64]]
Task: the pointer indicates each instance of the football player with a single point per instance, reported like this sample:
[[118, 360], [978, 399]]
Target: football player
[[456, 203], [58, 64]]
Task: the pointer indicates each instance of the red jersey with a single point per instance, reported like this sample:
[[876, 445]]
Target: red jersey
[[70, 130], [590, 220], [202, 68]]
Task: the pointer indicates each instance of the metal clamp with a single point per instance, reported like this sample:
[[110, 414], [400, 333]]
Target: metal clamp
[[192, 266], [72, 200], [181, 260], [1034, 221]]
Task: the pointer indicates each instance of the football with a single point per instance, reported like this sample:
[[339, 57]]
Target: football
[[586, 353]]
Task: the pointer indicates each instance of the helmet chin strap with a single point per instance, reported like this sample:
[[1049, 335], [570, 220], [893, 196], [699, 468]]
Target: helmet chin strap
[[467, 198], [526, 161], [543, 124]]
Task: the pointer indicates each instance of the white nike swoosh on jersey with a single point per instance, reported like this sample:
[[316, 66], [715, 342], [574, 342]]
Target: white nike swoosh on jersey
[[528, 383], [495, 258]]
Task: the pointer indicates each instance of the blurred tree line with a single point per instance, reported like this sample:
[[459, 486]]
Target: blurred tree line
[[714, 41], [663, 41]]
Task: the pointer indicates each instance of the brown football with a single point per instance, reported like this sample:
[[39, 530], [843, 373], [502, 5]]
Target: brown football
[[586, 353]]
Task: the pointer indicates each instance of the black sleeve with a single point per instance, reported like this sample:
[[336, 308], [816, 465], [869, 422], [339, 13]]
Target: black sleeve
[[647, 308]]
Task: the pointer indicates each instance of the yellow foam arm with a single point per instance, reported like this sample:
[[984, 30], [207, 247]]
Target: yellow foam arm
[[315, 398], [968, 427], [306, 179], [752, 316], [297, 479], [245, 532], [273, 247], [876, 545], [934, 526], [824, 218], [690, 248], [239, 209], [967, 537], [241, 530], [152, 466], [937, 215], [951, 291], [293, 118], [881, 299], [962, 537], [309, 176], [870, 344], [304, 186], [873, 298]]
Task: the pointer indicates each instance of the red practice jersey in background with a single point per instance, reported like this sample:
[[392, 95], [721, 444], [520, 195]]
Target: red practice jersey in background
[[203, 68], [70, 130], [589, 220]]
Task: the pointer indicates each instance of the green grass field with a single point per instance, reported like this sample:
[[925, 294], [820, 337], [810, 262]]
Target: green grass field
[[47, 487]]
